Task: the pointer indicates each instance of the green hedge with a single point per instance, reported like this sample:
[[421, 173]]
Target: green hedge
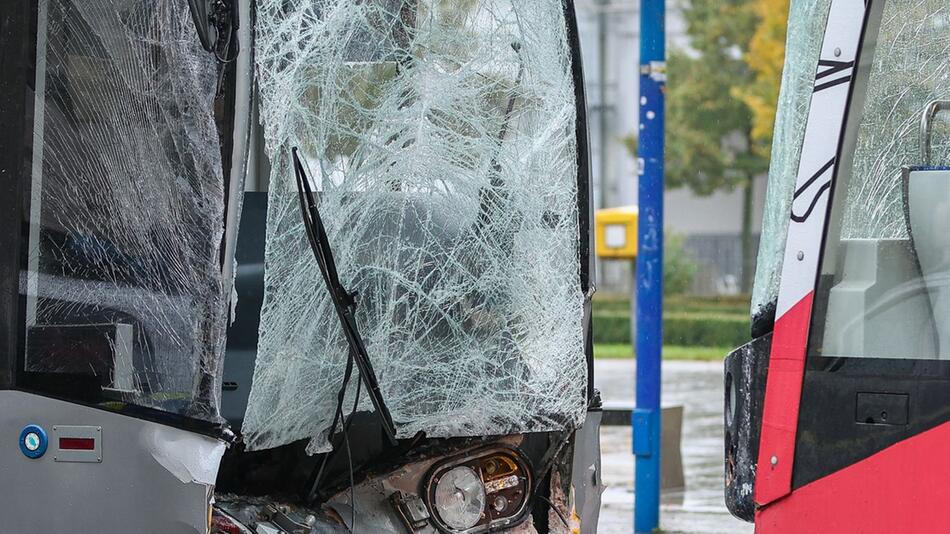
[[679, 328], [727, 304]]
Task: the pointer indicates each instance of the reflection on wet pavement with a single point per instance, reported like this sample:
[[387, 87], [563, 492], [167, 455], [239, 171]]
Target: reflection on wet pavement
[[700, 509]]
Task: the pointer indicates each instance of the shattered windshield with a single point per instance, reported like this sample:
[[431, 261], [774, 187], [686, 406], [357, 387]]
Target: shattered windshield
[[440, 139], [121, 286], [882, 290]]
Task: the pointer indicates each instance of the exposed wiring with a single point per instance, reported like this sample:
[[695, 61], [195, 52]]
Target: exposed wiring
[[224, 17], [346, 441], [547, 463], [337, 419], [553, 452], [551, 455], [556, 511], [349, 459]]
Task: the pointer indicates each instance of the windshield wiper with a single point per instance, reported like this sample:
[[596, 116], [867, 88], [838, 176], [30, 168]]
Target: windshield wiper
[[343, 300]]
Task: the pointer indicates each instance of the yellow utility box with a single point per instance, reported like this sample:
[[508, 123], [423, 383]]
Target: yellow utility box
[[617, 232]]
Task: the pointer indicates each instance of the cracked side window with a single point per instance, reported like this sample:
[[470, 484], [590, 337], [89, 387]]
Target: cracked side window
[[806, 25], [121, 282], [883, 289], [440, 137]]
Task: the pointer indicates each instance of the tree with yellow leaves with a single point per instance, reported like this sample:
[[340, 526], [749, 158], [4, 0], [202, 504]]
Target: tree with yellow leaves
[[721, 101], [765, 57]]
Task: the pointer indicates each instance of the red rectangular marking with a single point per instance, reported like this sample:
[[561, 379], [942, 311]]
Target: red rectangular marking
[[77, 444]]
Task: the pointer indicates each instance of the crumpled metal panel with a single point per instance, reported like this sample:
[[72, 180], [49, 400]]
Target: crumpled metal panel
[[127, 202], [440, 138], [746, 372], [910, 69], [806, 27]]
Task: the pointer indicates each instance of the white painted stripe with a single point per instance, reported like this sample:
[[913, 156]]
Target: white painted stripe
[[824, 127]]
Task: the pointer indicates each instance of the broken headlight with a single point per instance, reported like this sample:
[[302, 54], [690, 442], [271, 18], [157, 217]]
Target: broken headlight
[[459, 498], [479, 492]]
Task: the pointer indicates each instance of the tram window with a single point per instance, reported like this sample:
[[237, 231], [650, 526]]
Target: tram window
[[121, 281], [884, 286]]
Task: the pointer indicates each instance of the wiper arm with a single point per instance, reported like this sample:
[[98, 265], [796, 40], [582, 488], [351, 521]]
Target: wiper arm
[[343, 300]]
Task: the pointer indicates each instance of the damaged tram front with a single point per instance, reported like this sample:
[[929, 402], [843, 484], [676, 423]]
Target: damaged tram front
[[295, 266]]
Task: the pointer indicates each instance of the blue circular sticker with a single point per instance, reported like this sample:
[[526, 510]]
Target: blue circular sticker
[[33, 441]]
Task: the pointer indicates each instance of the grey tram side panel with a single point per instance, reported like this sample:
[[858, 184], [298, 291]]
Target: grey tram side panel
[[129, 491]]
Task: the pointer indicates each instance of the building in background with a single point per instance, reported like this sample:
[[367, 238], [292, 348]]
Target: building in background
[[609, 32]]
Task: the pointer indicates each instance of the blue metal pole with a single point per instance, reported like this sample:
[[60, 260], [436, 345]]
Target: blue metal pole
[[649, 343]]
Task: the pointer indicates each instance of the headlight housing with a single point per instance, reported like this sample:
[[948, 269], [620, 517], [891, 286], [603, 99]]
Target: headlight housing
[[459, 497], [481, 491]]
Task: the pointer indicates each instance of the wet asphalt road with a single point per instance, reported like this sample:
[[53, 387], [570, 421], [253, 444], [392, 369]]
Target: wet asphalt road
[[700, 509]]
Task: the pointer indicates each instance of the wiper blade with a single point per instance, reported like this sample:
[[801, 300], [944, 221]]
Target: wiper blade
[[343, 301]]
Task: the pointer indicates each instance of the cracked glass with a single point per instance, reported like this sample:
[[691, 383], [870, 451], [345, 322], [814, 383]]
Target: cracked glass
[[440, 140], [885, 272], [806, 28], [909, 70], [122, 279]]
